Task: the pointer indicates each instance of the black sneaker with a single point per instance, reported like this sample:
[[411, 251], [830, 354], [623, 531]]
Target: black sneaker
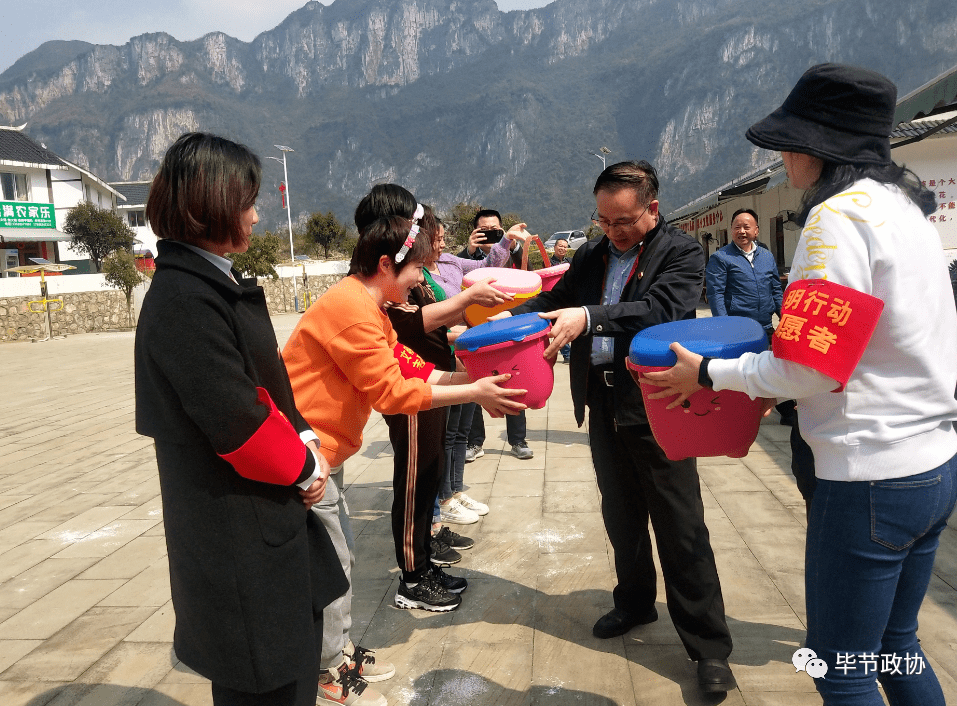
[[452, 584], [443, 554], [453, 539], [427, 594]]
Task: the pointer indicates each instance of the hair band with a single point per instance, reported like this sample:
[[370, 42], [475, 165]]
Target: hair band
[[413, 231]]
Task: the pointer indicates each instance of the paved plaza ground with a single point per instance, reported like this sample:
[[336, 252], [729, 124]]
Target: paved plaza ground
[[85, 613]]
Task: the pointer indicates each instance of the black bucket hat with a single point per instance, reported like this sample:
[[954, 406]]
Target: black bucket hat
[[839, 113]]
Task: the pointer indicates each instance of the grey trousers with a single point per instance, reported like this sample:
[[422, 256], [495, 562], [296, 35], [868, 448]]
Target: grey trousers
[[333, 512]]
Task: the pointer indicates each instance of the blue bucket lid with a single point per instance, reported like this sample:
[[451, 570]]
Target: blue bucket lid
[[716, 337], [511, 328]]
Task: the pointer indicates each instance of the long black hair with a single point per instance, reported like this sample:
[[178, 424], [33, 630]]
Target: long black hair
[[835, 178]]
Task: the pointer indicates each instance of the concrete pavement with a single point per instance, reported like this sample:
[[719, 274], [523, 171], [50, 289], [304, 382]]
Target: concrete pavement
[[85, 613]]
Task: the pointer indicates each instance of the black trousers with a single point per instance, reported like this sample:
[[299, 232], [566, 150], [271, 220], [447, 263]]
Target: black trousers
[[301, 692], [638, 483], [419, 465]]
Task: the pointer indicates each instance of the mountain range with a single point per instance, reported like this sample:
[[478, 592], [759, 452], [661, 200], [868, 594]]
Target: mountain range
[[461, 102]]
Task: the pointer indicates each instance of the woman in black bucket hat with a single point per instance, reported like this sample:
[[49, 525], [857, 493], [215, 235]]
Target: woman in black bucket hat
[[867, 310]]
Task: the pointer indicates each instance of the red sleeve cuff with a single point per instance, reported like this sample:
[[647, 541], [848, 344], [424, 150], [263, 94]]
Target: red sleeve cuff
[[411, 364], [275, 453]]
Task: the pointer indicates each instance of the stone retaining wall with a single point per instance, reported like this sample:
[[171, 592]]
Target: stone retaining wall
[[279, 292], [82, 312], [87, 312]]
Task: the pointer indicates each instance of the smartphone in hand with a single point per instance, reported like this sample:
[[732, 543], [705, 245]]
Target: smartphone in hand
[[492, 235]]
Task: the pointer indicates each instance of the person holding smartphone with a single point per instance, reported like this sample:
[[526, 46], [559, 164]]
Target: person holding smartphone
[[486, 231], [487, 223]]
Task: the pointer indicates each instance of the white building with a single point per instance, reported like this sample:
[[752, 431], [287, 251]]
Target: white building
[[133, 211], [37, 190]]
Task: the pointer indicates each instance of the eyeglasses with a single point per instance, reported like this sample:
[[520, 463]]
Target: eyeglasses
[[605, 224]]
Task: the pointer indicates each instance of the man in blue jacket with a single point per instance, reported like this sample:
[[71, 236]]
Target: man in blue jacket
[[742, 278]]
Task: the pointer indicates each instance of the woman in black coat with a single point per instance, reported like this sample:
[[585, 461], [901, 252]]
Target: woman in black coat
[[250, 567]]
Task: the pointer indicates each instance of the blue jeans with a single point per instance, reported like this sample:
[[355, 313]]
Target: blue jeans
[[870, 553], [456, 439]]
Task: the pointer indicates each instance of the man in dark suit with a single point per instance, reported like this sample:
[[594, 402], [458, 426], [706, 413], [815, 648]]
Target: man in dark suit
[[642, 273]]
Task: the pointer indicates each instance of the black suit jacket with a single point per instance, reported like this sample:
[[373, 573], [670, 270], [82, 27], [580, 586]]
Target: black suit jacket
[[250, 567], [665, 286]]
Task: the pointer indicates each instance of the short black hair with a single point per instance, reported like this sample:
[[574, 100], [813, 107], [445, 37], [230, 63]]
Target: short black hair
[[385, 236], [486, 213], [562, 240], [204, 185], [639, 176], [384, 200], [750, 211]]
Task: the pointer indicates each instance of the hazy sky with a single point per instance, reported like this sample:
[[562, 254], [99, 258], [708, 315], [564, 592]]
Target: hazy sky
[[26, 24]]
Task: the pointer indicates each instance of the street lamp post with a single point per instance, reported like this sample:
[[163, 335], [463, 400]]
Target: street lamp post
[[292, 254], [604, 151]]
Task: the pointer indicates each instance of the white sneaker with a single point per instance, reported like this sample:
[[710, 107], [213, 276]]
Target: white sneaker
[[471, 504], [456, 513]]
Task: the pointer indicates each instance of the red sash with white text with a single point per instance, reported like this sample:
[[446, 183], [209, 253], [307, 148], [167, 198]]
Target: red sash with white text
[[411, 363], [826, 326]]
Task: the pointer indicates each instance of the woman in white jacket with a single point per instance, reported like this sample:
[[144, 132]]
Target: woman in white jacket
[[879, 419]]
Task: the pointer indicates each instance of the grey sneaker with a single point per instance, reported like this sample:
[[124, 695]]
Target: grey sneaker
[[521, 450], [473, 452]]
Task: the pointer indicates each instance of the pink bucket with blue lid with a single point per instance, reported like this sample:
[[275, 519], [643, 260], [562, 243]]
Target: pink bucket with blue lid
[[708, 423], [514, 345]]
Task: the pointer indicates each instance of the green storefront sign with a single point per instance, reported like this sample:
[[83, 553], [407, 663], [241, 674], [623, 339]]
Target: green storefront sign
[[18, 214]]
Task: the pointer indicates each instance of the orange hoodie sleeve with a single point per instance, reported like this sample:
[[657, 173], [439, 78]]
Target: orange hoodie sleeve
[[363, 352]]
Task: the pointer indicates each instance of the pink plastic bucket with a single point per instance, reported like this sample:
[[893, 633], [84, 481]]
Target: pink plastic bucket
[[551, 275], [521, 284], [516, 346], [710, 424]]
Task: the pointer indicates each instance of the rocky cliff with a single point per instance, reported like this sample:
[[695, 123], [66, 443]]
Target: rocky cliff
[[459, 101]]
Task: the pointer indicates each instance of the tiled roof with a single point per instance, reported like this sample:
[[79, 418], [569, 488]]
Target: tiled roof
[[134, 191], [920, 127], [17, 147]]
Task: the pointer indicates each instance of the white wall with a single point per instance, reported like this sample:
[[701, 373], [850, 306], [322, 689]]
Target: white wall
[[935, 160], [30, 286], [316, 267]]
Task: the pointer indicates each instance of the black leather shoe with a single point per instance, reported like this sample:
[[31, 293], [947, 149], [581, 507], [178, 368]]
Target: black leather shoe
[[714, 676], [618, 622]]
